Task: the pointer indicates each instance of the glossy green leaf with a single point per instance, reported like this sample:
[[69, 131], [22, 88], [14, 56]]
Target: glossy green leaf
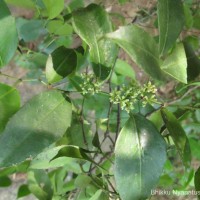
[[9, 103], [8, 35], [193, 62], [197, 181], [91, 23], [176, 64], [23, 191], [123, 68], [53, 9], [72, 152], [140, 154], [144, 52], [39, 123], [51, 74], [156, 119], [39, 184], [170, 23], [61, 63], [5, 181], [178, 135]]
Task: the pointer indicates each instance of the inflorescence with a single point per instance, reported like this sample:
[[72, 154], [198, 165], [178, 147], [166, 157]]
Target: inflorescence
[[90, 85], [128, 96]]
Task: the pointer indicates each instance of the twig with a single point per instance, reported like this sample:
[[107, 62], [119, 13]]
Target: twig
[[82, 123], [111, 185], [186, 94], [106, 134], [9, 76], [118, 118]]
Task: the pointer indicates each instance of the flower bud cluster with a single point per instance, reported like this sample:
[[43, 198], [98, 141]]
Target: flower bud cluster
[[90, 85], [127, 96]]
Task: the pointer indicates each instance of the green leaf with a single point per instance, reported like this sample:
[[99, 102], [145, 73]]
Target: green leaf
[[74, 135], [61, 63], [188, 16], [91, 23], [21, 168], [96, 141], [197, 182], [22, 3], [82, 181], [54, 8], [117, 79], [170, 23], [123, 1], [9, 103], [23, 191], [140, 154], [39, 123], [72, 152], [58, 180], [30, 30], [58, 27], [5, 181], [176, 64], [8, 35], [123, 68], [43, 161], [195, 148], [99, 195], [156, 119], [144, 52], [178, 135], [196, 19], [193, 62], [75, 4], [39, 184]]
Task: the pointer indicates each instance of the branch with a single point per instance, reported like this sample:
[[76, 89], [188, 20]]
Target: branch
[[82, 123], [118, 118], [182, 97]]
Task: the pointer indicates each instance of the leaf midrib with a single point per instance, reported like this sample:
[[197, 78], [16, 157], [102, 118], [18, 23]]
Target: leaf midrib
[[65, 59], [7, 93], [140, 155], [167, 27]]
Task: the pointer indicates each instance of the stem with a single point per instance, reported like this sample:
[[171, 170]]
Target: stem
[[105, 156], [82, 123], [185, 95], [118, 118], [106, 134], [6, 75], [111, 185]]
